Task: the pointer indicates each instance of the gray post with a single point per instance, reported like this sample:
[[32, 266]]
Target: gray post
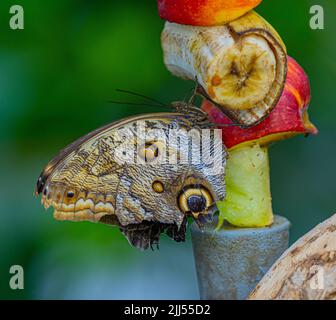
[[230, 262]]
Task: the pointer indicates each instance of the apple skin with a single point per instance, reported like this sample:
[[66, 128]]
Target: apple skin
[[204, 12], [289, 117]]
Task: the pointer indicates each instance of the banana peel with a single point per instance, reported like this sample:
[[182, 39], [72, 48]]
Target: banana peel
[[240, 66]]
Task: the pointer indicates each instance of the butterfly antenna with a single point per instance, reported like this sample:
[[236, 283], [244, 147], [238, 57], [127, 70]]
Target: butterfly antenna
[[142, 96], [227, 125], [139, 104], [220, 125], [187, 95], [195, 92]]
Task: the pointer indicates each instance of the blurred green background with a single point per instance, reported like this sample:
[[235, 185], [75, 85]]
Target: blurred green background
[[56, 77]]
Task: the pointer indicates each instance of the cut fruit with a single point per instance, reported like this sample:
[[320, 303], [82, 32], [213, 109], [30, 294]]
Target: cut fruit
[[241, 66], [289, 118], [204, 12], [248, 200]]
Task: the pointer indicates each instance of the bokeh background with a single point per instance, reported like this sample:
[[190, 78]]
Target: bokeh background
[[56, 77]]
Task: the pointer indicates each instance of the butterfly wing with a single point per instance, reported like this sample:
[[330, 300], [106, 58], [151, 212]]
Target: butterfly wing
[[82, 181], [86, 182]]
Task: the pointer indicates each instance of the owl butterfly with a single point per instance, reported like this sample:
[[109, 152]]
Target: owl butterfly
[[142, 174]]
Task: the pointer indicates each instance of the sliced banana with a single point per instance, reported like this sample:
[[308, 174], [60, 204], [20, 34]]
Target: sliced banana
[[241, 66]]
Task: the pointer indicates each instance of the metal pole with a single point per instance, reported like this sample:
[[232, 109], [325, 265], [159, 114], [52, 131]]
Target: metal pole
[[230, 262]]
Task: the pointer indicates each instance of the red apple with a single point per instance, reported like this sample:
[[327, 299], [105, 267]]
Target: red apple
[[289, 117], [204, 12]]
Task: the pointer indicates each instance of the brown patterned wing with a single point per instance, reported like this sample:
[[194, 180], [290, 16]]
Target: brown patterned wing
[[87, 181], [81, 183]]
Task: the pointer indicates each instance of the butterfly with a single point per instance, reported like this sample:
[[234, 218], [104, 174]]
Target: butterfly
[[139, 174]]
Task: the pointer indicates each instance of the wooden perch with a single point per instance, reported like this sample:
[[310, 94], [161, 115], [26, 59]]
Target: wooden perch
[[306, 271]]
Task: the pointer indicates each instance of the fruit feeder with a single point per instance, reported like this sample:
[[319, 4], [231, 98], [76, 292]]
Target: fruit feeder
[[257, 95]]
